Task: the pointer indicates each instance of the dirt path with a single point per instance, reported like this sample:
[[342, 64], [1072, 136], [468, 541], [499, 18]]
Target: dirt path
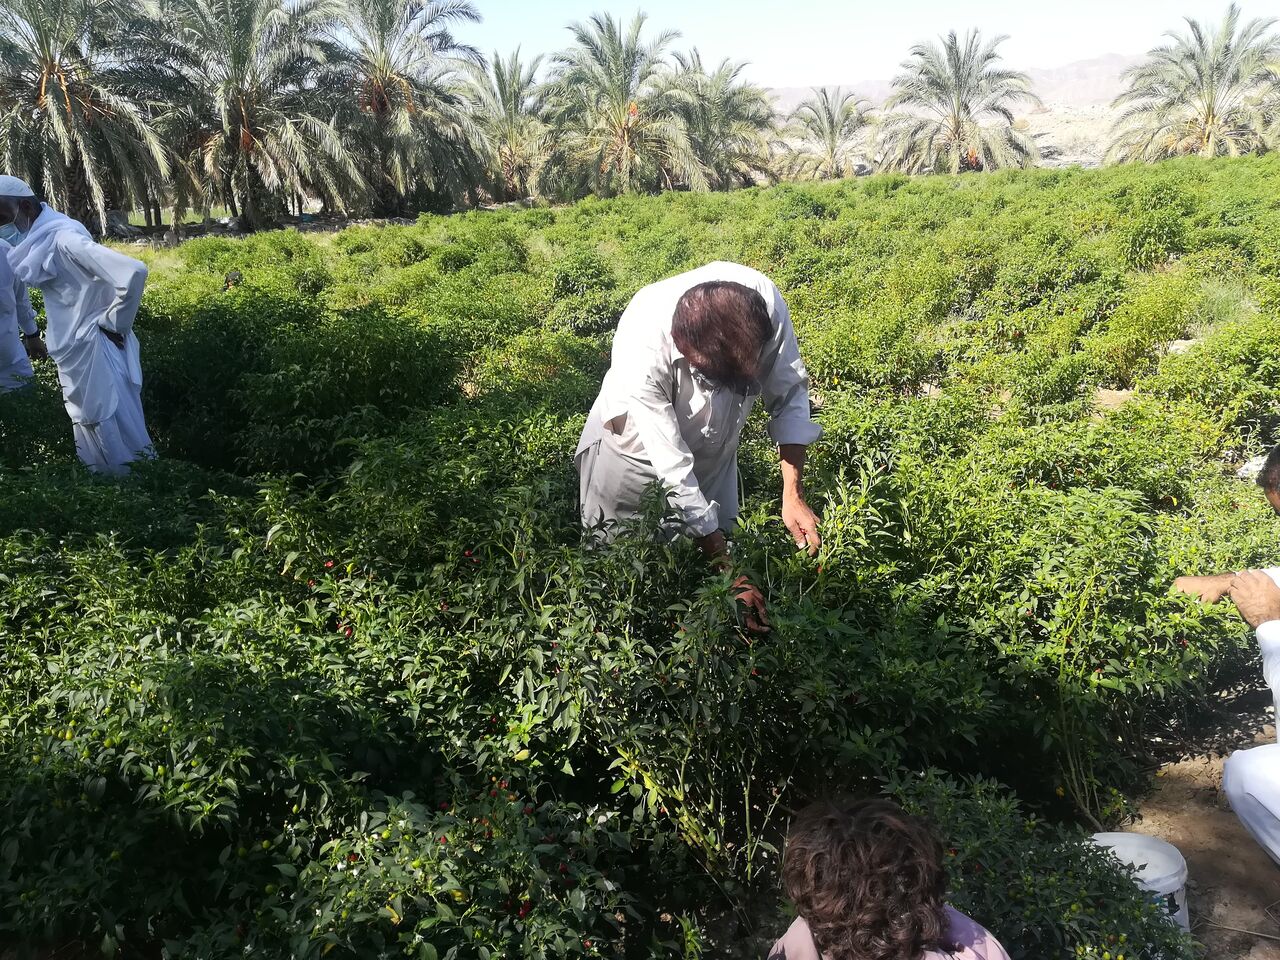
[[1232, 881]]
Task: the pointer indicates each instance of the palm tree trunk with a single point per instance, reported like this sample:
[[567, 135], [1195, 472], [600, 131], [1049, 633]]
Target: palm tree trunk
[[80, 204]]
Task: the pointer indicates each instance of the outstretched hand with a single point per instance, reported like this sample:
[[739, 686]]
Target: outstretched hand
[[715, 546], [1256, 596], [750, 597], [802, 524], [1205, 589], [36, 350]]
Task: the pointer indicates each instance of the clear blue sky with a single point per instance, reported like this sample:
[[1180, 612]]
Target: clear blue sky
[[795, 43]]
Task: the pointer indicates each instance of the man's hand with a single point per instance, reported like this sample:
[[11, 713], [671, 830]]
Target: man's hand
[[714, 545], [114, 337], [1205, 589], [36, 350], [750, 597], [802, 524], [1256, 597]]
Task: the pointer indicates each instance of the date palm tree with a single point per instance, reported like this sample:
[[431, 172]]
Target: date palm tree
[[406, 119], [1207, 91], [68, 121], [614, 111], [951, 109], [261, 97], [509, 104], [826, 134], [729, 122]]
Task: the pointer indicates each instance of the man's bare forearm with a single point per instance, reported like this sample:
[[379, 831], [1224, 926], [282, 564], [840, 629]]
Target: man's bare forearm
[[793, 456], [1211, 588]]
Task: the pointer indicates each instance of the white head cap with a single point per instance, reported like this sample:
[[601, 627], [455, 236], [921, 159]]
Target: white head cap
[[13, 187], [1253, 468]]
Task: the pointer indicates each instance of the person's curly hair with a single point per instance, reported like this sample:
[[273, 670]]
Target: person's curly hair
[[721, 327], [868, 879]]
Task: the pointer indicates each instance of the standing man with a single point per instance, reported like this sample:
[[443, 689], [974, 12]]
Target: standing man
[[20, 341], [91, 297], [690, 356]]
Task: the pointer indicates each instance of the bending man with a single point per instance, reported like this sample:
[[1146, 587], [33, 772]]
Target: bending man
[[690, 356], [91, 296]]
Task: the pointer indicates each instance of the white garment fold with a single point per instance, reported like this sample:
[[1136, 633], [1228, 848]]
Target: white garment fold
[[111, 444], [17, 317], [1251, 778], [656, 410]]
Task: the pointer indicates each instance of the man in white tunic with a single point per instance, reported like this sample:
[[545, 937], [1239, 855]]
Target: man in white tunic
[[1251, 778], [690, 356], [20, 341], [91, 297]]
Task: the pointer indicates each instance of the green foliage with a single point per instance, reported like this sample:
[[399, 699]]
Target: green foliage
[[337, 677], [1154, 238], [1031, 874]]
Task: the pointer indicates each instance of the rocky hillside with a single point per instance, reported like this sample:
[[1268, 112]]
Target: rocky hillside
[[1074, 123]]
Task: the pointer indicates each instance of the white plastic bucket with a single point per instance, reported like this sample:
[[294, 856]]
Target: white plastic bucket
[[1161, 869]]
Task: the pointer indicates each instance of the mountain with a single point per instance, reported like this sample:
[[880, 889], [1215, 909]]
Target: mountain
[[1084, 83], [786, 99], [1075, 120]]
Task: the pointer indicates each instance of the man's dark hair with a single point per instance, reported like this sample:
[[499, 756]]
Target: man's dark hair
[[868, 879], [1269, 475], [721, 327]]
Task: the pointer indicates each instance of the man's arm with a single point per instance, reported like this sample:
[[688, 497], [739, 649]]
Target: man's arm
[[125, 274], [1209, 589], [36, 349], [654, 416], [785, 389], [1258, 599], [801, 522]]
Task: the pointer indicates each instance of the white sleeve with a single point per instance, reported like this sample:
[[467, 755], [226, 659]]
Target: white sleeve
[[651, 409], [785, 382], [126, 274], [1269, 644], [22, 306]]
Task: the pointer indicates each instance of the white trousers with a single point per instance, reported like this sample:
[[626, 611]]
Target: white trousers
[[1251, 780], [612, 484], [111, 445], [16, 375]]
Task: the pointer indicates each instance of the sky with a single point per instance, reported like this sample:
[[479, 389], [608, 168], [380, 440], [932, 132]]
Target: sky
[[800, 43]]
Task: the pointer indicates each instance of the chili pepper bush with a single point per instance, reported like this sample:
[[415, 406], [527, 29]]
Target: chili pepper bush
[[337, 676]]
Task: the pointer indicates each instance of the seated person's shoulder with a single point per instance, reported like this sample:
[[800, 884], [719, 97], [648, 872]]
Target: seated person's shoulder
[[796, 944], [975, 941]]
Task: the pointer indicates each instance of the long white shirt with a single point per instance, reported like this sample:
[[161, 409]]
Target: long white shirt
[[1251, 778], [660, 410], [87, 288], [1269, 644], [16, 318]]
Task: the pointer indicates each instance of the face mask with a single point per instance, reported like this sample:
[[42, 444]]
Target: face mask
[[11, 235]]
